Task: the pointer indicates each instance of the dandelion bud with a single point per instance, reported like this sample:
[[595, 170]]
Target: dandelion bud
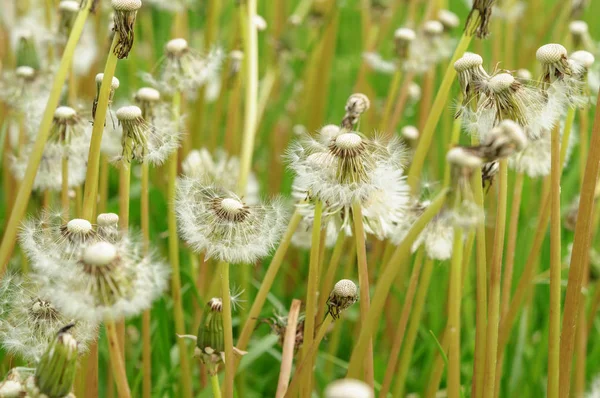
[[147, 98], [462, 157], [114, 85], [410, 133], [26, 53], [343, 295], [134, 140], [125, 13], [55, 373], [479, 18], [210, 343], [356, 105], [448, 19], [108, 226], [553, 58], [68, 10], [403, 37], [348, 388]]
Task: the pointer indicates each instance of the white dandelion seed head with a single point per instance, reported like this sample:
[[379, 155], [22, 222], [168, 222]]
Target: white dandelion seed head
[[348, 388], [460, 156], [219, 223], [176, 47], [127, 113], [405, 34], [551, 53], [25, 72], [437, 238], [501, 82], [433, 28], [578, 28], [11, 389], [503, 141], [219, 169], [65, 113], [107, 227], [99, 254], [69, 6], [410, 133], [378, 63], [259, 23], [357, 104], [583, 58], [329, 132], [468, 61], [30, 319], [448, 19], [345, 288], [534, 159], [126, 5], [114, 82], [147, 94], [524, 75]]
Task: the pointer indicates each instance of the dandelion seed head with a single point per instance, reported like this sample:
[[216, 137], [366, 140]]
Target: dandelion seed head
[[302, 237], [114, 82], [99, 254], [578, 28], [448, 19], [584, 58], [126, 5], [460, 156], [524, 75], [433, 28], [343, 295], [129, 113], [357, 103], [410, 133], [176, 47], [437, 238], [69, 6], [259, 23], [534, 159], [468, 61], [25, 72], [553, 58], [405, 34], [147, 94], [348, 388], [11, 389]]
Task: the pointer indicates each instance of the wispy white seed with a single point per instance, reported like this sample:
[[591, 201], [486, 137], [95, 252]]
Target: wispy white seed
[[100, 253]]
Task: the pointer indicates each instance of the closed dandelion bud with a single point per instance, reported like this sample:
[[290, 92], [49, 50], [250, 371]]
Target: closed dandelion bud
[[356, 105], [114, 85], [108, 227], [68, 10], [403, 37], [343, 295], [26, 54], [348, 388], [217, 221], [55, 373], [210, 343], [448, 19], [124, 19], [479, 18], [553, 58], [147, 98], [135, 133]]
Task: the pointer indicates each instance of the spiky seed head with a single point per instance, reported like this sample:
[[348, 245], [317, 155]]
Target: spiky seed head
[[405, 34], [551, 53], [69, 6], [176, 47], [348, 388], [411, 133], [100, 254], [461, 157], [64, 113], [126, 5], [129, 113], [107, 219], [468, 61], [449, 19], [357, 103], [524, 74], [147, 94], [79, 226], [114, 84], [578, 28], [25, 72], [501, 82], [583, 58], [433, 28]]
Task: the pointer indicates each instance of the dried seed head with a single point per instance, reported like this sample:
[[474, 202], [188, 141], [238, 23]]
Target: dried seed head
[[78, 227], [64, 113], [134, 140], [69, 5], [114, 85], [471, 75], [356, 105], [524, 75], [124, 19], [108, 226], [176, 47], [55, 373], [129, 113], [25, 72], [343, 295], [578, 28], [403, 37], [147, 98], [583, 58], [259, 23], [553, 58], [404, 34], [68, 130], [467, 62], [462, 157], [68, 10], [328, 133], [100, 254], [501, 82], [348, 388], [410, 133], [433, 28], [448, 19], [479, 18], [503, 141]]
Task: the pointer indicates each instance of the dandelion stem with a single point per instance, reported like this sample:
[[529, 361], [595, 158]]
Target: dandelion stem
[[124, 193], [116, 360], [267, 282], [390, 99], [91, 177], [146, 340], [216, 388], [401, 327], [579, 258], [289, 343], [227, 330], [401, 102], [24, 192], [311, 290], [334, 262], [64, 193], [363, 281], [390, 271], [453, 325], [186, 383], [251, 93]]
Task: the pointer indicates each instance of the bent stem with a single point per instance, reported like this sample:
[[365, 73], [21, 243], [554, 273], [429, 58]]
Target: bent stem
[[24, 192], [227, 330], [289, 343], [495, 279], [388, 275], [116, 360], [363, 281]]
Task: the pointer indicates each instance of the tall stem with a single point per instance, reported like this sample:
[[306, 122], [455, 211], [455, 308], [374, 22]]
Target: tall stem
[[124, 191], [453, 325], [227, 330], [555, 268], [186, 383], [216, 388], [146, 340], [64, 193], [579, 258], [251, 94], [116, 360], [495, 276], [391, 98], [388, 275], [24, 192], [363, 281], [311, 290], [289, 343]]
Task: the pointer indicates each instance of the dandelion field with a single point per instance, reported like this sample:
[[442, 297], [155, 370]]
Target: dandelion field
[[332, 198]]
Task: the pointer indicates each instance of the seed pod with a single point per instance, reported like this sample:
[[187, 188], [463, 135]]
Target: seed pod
[[210, 341]]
